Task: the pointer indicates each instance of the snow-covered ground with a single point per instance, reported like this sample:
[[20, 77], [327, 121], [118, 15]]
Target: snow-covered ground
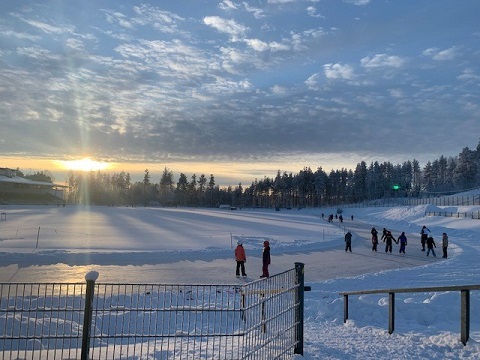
[[170, 245]]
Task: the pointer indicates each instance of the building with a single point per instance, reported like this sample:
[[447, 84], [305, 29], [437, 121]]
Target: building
[[15, 189]]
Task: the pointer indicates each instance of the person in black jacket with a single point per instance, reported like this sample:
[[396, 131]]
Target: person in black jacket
[[388, 241], [430, 245], [374, 233], [348, 241], [265, 259]]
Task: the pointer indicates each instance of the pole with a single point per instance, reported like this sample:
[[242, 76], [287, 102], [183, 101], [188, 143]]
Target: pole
[[87, 315], [299, 299]]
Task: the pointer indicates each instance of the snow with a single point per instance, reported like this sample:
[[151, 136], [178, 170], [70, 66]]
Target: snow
[[195, 246]]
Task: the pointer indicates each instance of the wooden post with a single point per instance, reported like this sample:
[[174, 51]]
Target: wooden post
[[391, 312]]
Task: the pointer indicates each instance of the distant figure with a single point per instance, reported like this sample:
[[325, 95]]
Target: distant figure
[[402, 239], [241, 258], [351, 217], [340, 218], [374, 233], [424, 235], [323, 215], [388, 242], [348, 241], [336, 216], [444, 245], [265, 259], [430, 245]]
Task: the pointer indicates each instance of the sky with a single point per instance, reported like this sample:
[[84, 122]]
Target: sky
[[152, 245], [237, 89]]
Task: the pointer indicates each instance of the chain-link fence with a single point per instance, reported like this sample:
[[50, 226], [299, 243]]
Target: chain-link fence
[[256, 320]]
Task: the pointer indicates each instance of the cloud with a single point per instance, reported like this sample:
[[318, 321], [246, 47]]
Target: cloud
[[312, 81], [161, 20], [338, 71], [357, 2], [382, 60], [257, 12], [312, 11], [468, 75], [441, 55], [228, 5], [227, 26]]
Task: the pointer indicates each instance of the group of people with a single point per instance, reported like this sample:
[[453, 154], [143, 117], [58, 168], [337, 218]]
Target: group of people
[[427, 241], [339, 217], [241, 258]]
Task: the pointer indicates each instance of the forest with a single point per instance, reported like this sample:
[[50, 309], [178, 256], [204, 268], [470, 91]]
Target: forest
[[307, 188]]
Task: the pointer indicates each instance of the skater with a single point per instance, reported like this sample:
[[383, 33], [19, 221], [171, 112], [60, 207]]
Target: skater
[[444, 245], [402, 239], [348, 241], [265, 259], [351, 217], [340, 218], [384, 234], [374, 233], [388, 242], [430, 245], [424, 235], [241, 258]]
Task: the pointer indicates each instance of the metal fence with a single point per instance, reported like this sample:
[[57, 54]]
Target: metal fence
[[257, 320], [448, 200], [471, 214]]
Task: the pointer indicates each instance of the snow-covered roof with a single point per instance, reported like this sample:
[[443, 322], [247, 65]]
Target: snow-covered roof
[[20, 180]]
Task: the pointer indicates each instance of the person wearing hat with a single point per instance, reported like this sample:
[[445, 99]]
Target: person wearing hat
[[241, 258], [265, 259]]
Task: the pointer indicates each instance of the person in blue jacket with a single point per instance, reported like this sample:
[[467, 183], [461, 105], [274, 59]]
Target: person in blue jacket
[[402, 239]]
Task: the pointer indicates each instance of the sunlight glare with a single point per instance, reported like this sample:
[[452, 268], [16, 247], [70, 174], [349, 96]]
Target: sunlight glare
[[85, 164]]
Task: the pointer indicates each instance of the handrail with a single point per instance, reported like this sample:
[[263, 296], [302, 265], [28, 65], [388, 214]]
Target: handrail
[[464, 304]]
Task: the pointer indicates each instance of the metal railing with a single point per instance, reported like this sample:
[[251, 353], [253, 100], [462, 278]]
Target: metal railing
[[257, 320], [464, 304], [471, 214]]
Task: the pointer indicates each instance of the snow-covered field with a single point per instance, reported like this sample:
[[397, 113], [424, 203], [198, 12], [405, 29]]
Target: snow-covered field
[[170, 245]]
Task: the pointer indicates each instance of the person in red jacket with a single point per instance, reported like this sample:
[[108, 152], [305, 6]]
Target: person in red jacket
[[241, 258]]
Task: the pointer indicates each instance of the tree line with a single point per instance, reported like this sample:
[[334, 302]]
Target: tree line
[[307, 188]]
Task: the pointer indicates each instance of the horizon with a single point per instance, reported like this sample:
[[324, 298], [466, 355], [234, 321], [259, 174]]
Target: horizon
[[137, 176]]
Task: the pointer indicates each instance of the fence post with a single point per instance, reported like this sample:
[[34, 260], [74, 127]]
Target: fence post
[[299, 299], [391, 312], [464, 316], [91, 277]]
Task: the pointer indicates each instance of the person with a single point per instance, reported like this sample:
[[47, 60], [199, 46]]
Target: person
[[384, 234], [265, 259], [348, 241], [351, 217], [423, 236], [241, 258], [444, 245], [402, 239], [340, 218], [430, 245], [388, 241], [374, 233]]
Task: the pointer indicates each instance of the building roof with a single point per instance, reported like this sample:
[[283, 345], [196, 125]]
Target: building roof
[[20, 180]]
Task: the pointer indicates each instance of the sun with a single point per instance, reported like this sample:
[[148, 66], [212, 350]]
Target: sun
[[85, 164]]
